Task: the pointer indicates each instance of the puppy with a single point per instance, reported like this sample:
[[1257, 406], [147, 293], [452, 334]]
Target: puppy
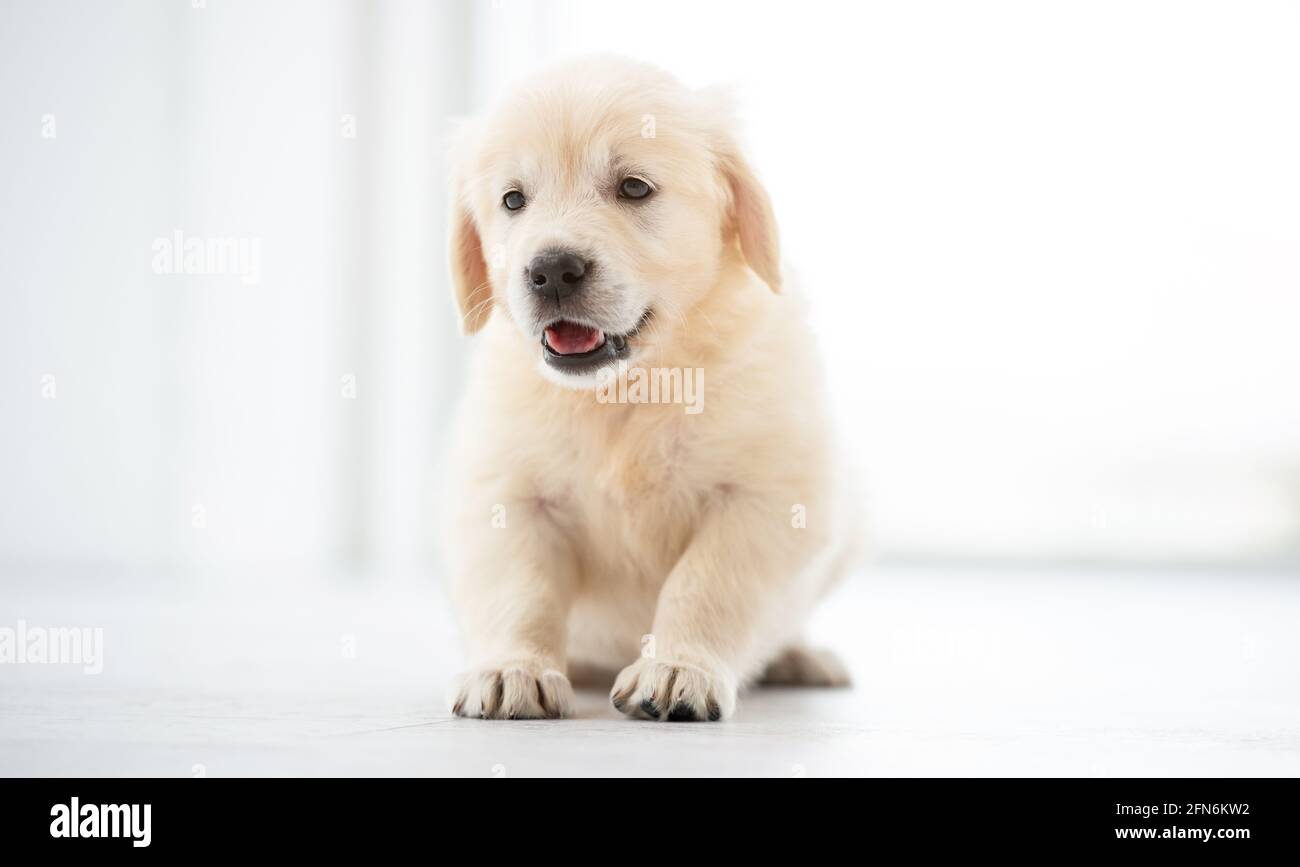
[[605, 231]]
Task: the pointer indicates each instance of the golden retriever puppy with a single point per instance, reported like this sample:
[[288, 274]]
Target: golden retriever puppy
[[642, 476]]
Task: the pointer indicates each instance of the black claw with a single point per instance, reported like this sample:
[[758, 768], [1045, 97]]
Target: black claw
[[715, 712], [619, 705], [649, 707], [681, 712]]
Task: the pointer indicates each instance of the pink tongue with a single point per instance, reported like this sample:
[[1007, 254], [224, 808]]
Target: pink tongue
[[570, 338]]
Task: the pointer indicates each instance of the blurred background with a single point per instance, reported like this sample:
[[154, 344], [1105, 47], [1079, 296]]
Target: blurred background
[[1052, 250]]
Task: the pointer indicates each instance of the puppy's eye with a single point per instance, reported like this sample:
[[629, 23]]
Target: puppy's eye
[[513, 200], [633, 188]]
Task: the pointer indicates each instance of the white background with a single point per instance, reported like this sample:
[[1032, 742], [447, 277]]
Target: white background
[[1053, 253]]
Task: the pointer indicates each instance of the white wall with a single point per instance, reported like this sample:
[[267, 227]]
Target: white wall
[[201, 421], [86, 476]]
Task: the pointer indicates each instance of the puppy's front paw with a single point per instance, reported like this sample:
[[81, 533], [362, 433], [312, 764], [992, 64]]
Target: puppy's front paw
[[514, 691], [673, 691]]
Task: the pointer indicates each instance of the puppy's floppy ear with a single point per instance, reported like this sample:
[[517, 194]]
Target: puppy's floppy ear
[[751, 216], [470, 284]]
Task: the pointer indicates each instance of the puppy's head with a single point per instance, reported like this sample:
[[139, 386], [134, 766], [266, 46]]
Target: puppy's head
[[596, 208]]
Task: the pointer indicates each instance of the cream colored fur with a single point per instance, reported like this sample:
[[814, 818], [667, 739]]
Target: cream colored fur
[[635, 537]]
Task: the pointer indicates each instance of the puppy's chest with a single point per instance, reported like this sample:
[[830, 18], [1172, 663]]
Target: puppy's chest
[[646, 470], [628, 486]]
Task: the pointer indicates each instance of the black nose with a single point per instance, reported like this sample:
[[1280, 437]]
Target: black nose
[[556, 274]]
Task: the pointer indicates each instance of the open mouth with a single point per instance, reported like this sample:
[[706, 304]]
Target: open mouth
[[575, 347]]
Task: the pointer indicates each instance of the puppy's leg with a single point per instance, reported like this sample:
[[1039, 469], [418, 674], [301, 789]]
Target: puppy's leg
[[513, 589], [734, 587], [801, 665]]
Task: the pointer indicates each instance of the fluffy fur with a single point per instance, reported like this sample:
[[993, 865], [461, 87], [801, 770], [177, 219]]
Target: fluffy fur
[[685, 550]]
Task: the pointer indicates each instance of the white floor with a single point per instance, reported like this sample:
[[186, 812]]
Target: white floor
[[959, 672]]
